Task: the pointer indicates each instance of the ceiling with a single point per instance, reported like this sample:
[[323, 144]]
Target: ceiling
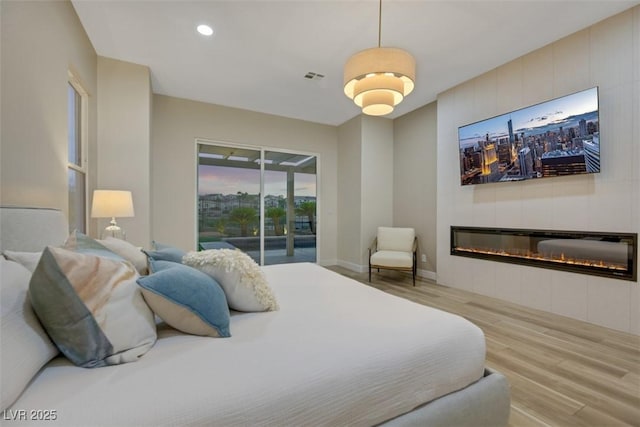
[[261, 50], [247, 158]]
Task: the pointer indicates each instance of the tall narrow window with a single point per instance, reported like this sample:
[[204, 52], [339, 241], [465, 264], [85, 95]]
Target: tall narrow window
[[77, 168]]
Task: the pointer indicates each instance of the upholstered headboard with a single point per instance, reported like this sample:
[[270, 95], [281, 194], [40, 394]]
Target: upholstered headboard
[[31, 229]]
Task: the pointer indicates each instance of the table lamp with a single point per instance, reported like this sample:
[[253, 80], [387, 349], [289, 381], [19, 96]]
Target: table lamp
[[112, 204]]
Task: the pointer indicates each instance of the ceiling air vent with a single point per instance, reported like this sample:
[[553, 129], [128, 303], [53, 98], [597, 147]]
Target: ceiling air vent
[[314, 76]]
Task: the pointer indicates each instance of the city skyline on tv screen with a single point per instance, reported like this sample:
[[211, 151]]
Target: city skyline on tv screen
[[554, 138]]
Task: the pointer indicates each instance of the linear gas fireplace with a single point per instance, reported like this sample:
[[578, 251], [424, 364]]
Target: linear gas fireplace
[[611, 255]]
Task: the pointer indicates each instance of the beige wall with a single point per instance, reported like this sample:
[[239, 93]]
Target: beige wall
[[365, 193], [124, 137], [40, 42], [605, 55], [175, 126], [414, 180], [349, 193], [376, 204]]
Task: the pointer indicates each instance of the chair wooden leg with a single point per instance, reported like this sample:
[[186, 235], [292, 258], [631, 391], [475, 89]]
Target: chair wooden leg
[[415, 267]]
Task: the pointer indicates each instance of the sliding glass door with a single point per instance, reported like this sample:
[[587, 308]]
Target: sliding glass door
[[261, 202], [290, 207], [229, 198]]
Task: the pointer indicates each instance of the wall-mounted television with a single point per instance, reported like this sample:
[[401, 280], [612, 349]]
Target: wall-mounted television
[[554, 138]]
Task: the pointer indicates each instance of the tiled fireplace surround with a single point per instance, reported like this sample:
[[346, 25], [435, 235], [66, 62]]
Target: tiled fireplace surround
[[602, 55]]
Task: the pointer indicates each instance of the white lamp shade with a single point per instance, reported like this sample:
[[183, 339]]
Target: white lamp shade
[[380, 60], [378, 79], [111, 204], [379, 83]]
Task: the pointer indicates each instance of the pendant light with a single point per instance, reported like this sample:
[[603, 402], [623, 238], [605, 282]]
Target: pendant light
[[379, 78]]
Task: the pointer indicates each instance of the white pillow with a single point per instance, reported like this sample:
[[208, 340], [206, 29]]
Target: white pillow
[[89, 303], [129, 252], [242, 280], [24, 345], [27, 259]]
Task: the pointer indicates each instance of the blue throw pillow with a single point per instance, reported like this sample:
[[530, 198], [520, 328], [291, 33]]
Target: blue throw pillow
[[186, 299], [163, 252]]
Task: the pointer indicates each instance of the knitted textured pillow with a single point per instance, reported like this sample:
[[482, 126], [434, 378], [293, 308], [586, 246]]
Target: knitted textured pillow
[[241, 278]]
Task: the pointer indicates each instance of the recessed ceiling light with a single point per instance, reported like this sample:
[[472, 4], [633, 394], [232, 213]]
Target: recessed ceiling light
[[205, 30]]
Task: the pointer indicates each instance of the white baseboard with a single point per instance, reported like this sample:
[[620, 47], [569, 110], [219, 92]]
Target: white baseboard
[[353, 266], [326, 263], [427, 274]]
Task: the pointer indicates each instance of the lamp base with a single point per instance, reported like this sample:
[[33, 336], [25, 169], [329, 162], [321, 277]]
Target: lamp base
[[114, 231]]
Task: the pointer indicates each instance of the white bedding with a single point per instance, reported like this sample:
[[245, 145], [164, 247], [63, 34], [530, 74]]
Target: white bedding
[[337, 353]]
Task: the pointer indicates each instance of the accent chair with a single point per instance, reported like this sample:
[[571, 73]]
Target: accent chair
[[394, 248]]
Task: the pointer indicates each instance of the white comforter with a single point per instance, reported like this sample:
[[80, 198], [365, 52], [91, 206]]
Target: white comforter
[[337, 353]]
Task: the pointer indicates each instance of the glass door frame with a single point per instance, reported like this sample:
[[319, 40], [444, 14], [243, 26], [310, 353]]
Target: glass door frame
[[262, 149]]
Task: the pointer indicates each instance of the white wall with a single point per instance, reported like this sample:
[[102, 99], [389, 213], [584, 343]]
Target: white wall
[[605, 55], [40, 42], [175, 126], [124, 136], [414, 180]]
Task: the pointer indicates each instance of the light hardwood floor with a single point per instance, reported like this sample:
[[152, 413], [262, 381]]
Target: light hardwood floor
[[562, 372]]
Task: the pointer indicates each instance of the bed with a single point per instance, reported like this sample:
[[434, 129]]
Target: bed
[[336, 353]]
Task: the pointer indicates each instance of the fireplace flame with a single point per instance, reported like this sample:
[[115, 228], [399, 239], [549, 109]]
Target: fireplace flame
[[537, 256]]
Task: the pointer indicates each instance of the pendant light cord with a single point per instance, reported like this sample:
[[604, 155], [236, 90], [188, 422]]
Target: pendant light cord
[[379, 23]]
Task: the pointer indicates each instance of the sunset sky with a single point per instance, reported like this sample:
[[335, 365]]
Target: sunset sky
[[226, 180], [534, 116]]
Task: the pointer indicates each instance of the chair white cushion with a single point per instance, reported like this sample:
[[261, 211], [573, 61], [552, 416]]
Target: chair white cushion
[[25, 345], [395, 239], [392, 259]]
